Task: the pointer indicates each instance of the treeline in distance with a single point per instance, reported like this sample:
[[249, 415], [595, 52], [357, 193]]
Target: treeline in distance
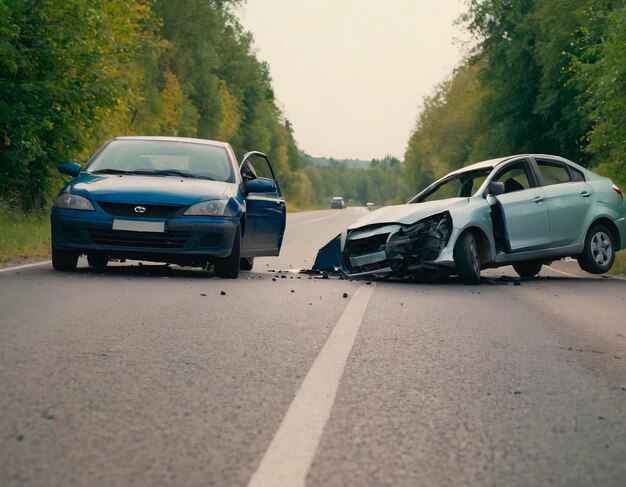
[[546, 76]]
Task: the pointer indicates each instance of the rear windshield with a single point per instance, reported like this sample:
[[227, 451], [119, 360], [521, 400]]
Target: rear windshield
[[159, 157]]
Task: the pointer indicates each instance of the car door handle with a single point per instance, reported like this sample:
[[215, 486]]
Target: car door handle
[[585, 194], [538, 199]]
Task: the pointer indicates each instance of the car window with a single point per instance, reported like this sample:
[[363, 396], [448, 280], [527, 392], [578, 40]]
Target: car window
[[515, 177], [576, 174], [462, 185], [553, 172], [201, 160]]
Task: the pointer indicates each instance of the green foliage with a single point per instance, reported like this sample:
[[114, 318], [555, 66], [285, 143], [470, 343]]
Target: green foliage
[[75, 73], [383, 184], [546, 76], [61, 69]]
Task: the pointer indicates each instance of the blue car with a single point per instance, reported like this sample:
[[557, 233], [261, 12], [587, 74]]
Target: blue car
[[168, 199]]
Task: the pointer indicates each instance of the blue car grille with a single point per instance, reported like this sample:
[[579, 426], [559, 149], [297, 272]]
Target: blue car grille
[[118, 238], [151, 211]]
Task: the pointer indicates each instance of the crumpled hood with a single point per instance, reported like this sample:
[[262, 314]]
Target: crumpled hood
[[149, 189], [409, 213]]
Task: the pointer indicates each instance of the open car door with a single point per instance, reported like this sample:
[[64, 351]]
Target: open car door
[[265, 207]]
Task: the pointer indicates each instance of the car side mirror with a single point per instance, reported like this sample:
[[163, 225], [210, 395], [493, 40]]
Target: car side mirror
[[260, 185], [69, 168], [496, 188], [247, 172]]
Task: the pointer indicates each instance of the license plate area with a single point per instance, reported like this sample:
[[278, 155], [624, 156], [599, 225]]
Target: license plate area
[[139, 226]]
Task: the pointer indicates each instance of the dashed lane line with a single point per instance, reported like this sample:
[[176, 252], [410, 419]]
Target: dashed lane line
[[290, 454]]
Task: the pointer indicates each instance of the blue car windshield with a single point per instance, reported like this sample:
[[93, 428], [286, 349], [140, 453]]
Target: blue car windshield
[[461, 185], [163, 158]]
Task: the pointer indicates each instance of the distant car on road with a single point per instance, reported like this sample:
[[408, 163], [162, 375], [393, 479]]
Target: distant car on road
[[524, 211], [369, 205], [337, 202], [168, 199]]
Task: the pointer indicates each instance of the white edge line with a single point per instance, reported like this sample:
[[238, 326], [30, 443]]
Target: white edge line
[[25, 266], [290, 454]]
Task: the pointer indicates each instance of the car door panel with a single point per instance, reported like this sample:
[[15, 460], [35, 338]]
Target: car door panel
[[571, 207], [265, 208], [526, 218]]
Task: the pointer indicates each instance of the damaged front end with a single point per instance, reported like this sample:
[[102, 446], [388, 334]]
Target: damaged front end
[[388, 249]]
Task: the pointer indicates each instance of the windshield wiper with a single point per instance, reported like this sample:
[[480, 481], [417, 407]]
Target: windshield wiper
[[111, 171], [150, 172], [174, 172]]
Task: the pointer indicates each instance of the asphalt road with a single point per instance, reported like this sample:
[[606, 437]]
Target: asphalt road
[[151, 375]]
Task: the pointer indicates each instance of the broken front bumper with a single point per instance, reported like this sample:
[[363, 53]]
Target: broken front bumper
[[391, 249]]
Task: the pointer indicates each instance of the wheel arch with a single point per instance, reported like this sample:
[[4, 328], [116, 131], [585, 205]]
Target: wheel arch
[[611, 227], [484, 245]]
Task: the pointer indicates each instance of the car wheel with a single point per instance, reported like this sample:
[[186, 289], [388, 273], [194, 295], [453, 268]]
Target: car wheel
[[63, 260], [97, 260], [246, 263], [467, 258], [528, 269], [228, 267], [598, 254]]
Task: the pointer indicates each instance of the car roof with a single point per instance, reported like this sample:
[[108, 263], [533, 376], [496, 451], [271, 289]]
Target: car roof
[[173, 139], [500, 160]]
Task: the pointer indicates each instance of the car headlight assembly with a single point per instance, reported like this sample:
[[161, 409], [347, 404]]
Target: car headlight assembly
[[210, 208], [73, 202], [422, 241]]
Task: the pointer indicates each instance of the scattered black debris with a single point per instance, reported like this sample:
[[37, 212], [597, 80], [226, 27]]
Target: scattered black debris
[[345, 295], [369, 283], [517, 392], [222, 293], [618, 358], [401, 304], [202, 294], [601, 418], [298, 277], [516, 283], [46, 414], [283, 276], [19, 437], [274, 279], [292, 291], [310, 304]]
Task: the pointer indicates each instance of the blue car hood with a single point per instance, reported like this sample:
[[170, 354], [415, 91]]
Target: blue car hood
[[409, 213], [149, 189]]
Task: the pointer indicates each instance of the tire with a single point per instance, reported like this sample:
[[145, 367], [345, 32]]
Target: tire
[[467, 258], [97, 260], [599, 253], [63, 260], [246, 263], [228, 267], [528, 269]]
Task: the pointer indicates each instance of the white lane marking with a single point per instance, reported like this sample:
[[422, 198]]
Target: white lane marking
[[290, 454], [563, 272], [313, 220], [25, 266]]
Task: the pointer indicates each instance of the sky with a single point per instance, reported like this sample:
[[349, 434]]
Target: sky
[[350, 75]]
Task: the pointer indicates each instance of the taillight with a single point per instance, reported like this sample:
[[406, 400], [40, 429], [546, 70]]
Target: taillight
[[618, 191]]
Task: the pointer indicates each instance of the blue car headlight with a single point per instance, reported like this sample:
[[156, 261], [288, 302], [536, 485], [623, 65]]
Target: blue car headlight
[[73, 202], [210, 208]]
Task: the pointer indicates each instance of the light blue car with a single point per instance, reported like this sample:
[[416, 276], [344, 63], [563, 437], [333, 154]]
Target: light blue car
[[523, 210], [168, 199]]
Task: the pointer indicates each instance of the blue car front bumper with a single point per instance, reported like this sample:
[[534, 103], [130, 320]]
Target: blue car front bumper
[[184, 240]]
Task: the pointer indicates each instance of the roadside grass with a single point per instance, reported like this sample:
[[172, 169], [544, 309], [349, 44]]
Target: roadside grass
[[24, 236], [620, 263]]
